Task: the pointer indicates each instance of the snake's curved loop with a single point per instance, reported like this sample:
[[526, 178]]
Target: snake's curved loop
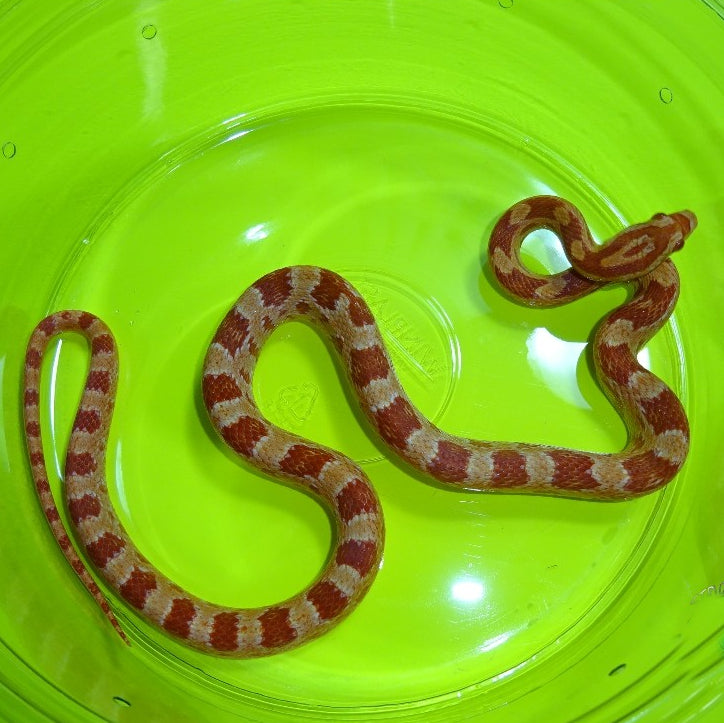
[[630, 254]]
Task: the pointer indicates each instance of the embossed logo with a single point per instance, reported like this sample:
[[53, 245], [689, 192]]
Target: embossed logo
[[709, 591], [400, 333], [294, 404]]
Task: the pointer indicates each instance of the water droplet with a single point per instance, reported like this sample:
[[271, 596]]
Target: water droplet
[[149, 32], [9, 149], [666, 95], [121, 701], [505, 3], [618, 669]]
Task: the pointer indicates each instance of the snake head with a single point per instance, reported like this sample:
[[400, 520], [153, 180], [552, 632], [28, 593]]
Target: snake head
[[678, 227], [639, 249], [687, 222]]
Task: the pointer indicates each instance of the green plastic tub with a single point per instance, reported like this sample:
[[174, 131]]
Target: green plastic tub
[[158, 157]]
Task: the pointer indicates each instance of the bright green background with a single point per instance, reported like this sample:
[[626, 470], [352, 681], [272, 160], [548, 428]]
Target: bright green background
[[165, 155]]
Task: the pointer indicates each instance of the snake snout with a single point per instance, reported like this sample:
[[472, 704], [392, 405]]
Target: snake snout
[[686, 220]]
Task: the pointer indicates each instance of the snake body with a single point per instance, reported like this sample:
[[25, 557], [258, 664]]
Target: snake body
[[656, 422]]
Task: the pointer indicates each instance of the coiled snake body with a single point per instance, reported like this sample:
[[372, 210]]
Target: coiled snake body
[[656, 422]]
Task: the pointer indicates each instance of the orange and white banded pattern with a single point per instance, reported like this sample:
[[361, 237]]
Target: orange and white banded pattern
[[657, 425]]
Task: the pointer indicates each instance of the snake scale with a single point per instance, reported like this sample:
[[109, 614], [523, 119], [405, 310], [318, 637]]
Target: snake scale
[[656, 422]]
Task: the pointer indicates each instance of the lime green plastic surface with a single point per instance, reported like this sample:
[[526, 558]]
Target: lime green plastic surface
[[157, 158]]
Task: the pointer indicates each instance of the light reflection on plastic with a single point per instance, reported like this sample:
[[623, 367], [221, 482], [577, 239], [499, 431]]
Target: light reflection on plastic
[[542, 189], [256, 233], [644, 358], [545, 246], [391, 12], [120, 482], [236, 136], [467, 591], [53, 385], [493, 643], [153, 59], [555, 361]]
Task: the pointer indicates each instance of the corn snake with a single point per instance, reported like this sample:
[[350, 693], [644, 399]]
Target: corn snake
[[655, 419]]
